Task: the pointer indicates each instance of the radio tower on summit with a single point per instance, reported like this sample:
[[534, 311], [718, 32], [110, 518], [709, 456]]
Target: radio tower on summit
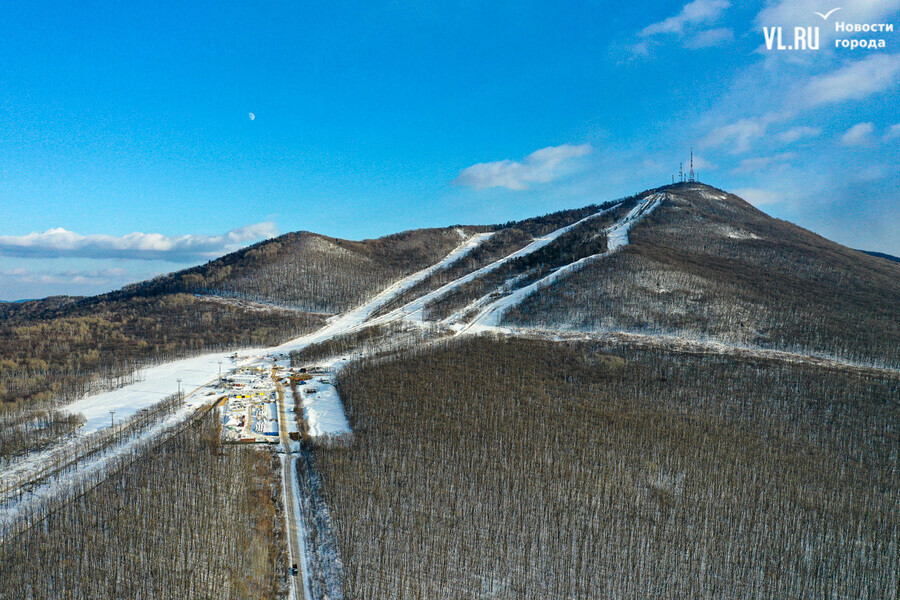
[[691, 176]]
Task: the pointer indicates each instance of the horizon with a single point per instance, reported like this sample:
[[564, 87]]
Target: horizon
[[140, 139]]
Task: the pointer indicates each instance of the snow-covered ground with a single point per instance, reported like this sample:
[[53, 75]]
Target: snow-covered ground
[[155, 384], [412, 311], [91, 466], [683, 343], [616, 237], [322, 408]]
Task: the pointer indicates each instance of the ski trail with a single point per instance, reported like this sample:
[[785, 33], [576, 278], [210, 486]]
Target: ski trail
[[616, 238], [617, 235], [412, 311], [355, 318]]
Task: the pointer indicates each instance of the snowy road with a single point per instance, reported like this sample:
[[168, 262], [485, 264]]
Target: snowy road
[[291, 493]]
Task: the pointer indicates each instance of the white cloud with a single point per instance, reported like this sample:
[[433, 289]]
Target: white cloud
[[858, 135], [795, 134], [709, 38], [858, 80], [692, 14], [540, 166], [641, 49], [59, 242], [97, 277], [748, 165], [759, 197], [740, 134], [893, 133], [871, 75], [701, 164], [691, 27]]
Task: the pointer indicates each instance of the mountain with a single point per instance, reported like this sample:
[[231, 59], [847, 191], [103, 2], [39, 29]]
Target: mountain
[[708, 264], [704, 264], [312, 272]]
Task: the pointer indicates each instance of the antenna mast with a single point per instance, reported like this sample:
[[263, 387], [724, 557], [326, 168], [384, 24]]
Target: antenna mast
[[691, 179]]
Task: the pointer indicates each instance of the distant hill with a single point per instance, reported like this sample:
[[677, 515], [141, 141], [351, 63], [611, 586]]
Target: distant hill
[[30, 308], [890, 257], [311, 272]]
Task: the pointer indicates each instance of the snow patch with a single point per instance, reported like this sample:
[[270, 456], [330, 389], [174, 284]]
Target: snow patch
[[323, 410], [737, 234]]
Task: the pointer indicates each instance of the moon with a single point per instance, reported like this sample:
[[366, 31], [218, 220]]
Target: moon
[[252, 116]]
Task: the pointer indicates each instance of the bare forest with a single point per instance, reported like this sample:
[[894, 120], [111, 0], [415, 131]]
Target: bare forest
[[314, 273], [101, 343], [192, 519], [510, 468]]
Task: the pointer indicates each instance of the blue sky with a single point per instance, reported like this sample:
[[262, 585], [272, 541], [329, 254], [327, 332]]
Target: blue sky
[[127, 149]]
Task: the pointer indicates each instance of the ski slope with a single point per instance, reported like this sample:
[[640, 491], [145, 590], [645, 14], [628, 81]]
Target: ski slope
[[617, 235], [322, 407], [616, 238], [354, 319], [412, 311], [155, 384]]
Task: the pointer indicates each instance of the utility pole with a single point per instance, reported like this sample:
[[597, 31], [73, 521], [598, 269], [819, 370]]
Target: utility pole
[[179, 388], [112, 418]]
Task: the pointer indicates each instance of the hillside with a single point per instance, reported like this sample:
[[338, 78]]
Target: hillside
[[312, 272], [517, 469], [708, 264], [61, 348]]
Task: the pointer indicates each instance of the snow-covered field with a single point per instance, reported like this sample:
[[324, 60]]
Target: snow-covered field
[[322, 407], [155, 384]]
